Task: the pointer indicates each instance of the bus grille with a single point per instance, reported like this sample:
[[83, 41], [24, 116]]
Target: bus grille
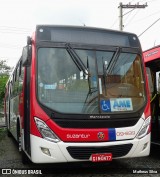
[[75, 123], [84, 153]]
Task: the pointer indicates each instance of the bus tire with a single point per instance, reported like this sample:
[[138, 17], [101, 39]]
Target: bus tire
[[18, 130], [9, 133]]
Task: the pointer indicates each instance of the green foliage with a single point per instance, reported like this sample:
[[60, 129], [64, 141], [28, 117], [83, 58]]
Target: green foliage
[[3, 80], [4, 68], [4, 75]]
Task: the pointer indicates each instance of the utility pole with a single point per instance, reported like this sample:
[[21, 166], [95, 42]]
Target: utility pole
[[127, 6]]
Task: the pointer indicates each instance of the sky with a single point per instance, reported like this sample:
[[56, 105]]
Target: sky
[[18, 19]]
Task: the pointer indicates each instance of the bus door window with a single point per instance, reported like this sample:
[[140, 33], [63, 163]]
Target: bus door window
[[122, 81], [21, 77]]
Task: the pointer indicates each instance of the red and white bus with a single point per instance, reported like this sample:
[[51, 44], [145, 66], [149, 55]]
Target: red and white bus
[[79, 94], [152, 62]]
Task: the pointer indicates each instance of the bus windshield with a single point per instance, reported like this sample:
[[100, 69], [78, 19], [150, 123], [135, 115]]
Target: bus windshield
[[85, 81]]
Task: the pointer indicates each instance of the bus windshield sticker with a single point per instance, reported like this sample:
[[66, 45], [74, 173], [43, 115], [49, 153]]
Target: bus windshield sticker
[[49, 87], [121, 104], [105, 105]]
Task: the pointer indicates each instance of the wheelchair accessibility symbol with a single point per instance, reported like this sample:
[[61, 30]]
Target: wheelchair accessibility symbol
[[105, 105]]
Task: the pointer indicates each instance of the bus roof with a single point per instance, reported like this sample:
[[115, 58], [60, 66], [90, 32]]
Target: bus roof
[[85, 35], [152, 54]]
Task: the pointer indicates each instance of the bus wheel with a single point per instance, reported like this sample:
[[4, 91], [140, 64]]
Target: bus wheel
[[19, 136], [9, 133]]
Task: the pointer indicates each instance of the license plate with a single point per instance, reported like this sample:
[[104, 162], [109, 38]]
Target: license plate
[[101, 157]]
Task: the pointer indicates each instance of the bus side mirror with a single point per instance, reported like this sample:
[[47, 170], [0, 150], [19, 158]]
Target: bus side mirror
[[26, 55]]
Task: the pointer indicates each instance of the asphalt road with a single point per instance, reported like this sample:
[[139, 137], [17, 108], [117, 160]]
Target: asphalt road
[[10, 162]]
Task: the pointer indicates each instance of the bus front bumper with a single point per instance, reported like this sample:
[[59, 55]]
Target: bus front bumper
[[43, 151]]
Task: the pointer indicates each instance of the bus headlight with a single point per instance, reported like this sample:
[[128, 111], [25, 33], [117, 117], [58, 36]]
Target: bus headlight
[[145, 129], [45, 131]]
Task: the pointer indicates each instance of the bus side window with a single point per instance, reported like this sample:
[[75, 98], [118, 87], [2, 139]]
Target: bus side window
[[11, 88], [15, 83], [21, 76]]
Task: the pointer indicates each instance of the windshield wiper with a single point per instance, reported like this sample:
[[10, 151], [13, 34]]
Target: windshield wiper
[[113, 61], [81, 66], [76, 59]]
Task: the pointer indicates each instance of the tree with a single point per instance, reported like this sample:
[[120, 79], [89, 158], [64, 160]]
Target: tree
[[4, 68], [4, 75]]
